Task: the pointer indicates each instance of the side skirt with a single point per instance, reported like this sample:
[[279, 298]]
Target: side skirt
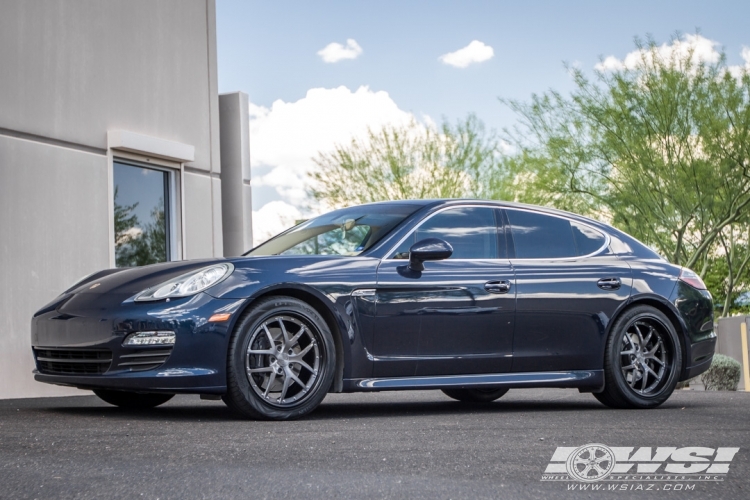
[[590, 380]]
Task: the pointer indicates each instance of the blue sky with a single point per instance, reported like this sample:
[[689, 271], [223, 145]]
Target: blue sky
[[270, 51]]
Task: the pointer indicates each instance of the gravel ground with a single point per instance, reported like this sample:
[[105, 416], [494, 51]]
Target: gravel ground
[[381, 445]]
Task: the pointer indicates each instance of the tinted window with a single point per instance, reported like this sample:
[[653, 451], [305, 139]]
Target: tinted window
[[471, 231], [538, 236], [587, 240]]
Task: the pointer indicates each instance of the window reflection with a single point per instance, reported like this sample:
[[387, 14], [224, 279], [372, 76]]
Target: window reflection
[[337, 241], [471, 231], [542, 236], [588, 240], [349, 231], [141, 200]]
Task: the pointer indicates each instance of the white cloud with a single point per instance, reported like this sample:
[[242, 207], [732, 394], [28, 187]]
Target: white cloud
[[129, 235], [475, 52], [273, 218], [287, 136], [704, 50], [335, 52], [737, 70]]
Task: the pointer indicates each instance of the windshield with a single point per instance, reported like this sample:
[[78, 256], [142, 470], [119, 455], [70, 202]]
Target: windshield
[[349, 231]]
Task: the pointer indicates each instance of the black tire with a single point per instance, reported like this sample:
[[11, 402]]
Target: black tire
[[252, 376], [133, 400], [641, 384], [475, 395]]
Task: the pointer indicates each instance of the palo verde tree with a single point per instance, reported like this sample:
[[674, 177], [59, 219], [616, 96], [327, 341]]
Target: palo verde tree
[[409, 162], [660, 148]]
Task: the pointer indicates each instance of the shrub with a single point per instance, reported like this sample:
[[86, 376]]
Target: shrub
[[724, 374]]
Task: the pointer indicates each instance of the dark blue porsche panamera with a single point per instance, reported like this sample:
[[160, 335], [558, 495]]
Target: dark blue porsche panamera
[[470, 297]]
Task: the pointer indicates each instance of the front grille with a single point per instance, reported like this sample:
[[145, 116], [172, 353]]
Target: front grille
[[73, 361], [144, 359]]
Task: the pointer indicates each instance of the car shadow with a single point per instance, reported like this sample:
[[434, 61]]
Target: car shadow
[[333, 410], [215, 413], [432, 408]]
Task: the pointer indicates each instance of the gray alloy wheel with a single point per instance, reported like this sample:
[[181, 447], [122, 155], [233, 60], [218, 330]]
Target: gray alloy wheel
[[281, 360], [643, 360], [475, 395], [132, 400]]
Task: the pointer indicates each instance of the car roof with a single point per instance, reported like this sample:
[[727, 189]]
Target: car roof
[[470, 201]]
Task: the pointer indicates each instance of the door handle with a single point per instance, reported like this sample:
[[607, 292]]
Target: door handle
[[497, 286], [609, 283]]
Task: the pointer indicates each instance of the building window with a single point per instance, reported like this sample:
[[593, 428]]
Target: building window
[[142, 218]]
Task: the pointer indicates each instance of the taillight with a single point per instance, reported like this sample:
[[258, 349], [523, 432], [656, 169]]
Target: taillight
[[692, 279]]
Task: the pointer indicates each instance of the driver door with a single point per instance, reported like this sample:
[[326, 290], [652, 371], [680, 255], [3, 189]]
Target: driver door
[[456, 316]]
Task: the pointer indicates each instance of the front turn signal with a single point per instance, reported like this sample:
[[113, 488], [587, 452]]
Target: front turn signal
[[219, 317]]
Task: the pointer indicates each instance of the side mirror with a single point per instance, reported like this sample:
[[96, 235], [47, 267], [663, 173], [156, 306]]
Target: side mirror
[[428, 249]]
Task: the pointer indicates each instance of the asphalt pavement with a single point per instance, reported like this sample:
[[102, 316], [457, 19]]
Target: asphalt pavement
[[380, 445]]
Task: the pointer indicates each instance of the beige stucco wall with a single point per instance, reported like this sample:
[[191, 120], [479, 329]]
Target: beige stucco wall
[[72, 70]]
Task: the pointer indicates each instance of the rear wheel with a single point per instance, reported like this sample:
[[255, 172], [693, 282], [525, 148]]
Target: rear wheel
[[475, 395], [642, 362], [281, 360], [132, 400]]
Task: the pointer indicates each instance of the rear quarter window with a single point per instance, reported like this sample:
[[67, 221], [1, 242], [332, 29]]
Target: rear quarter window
[[588, 240]]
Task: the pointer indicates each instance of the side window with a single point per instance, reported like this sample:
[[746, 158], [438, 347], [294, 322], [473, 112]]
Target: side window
[[588, 240], [539, 236], [471, 231]]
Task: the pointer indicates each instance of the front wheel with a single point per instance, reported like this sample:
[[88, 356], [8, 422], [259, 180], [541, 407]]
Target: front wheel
[[281, 360], [133, 400], [642, 361], [475, 395]]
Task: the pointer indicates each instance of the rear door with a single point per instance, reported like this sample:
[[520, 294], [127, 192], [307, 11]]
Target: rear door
[[568, 287]]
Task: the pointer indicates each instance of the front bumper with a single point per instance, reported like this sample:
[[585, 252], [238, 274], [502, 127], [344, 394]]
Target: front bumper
[[82, 324], [189, 382]]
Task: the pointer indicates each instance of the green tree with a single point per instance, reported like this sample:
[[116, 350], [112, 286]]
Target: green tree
[[150, 247], [661, 149], [728, 269], [125, 221], [409, 162], [136, 246]]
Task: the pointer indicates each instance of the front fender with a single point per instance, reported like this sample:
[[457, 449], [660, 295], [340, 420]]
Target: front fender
[[325, 283]]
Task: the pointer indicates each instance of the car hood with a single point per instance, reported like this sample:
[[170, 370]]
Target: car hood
[[250, 273], [131, 280]]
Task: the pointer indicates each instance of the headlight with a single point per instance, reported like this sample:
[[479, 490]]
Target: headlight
[[187, 284]]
